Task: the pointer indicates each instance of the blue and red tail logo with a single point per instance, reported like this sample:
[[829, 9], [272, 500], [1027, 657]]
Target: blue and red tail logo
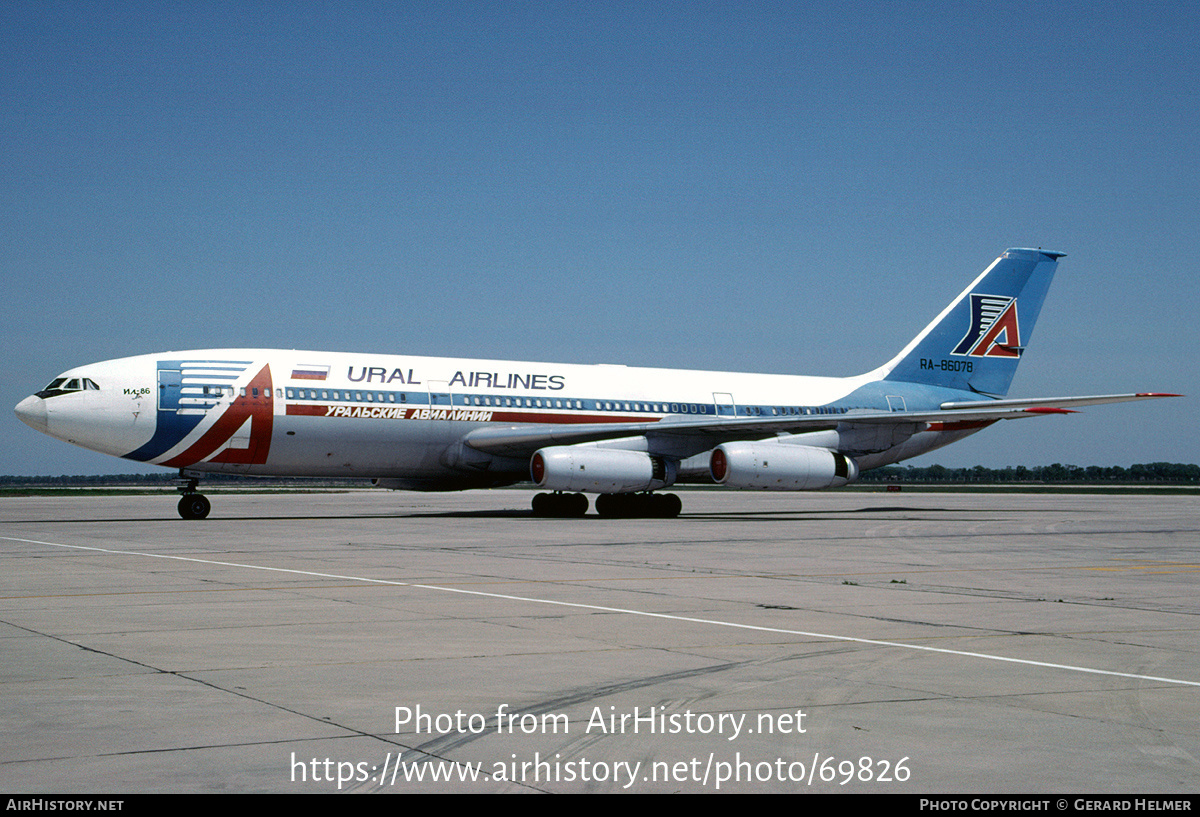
[[995, 330]]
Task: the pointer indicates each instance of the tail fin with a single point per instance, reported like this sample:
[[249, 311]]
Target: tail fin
[[977, 341]]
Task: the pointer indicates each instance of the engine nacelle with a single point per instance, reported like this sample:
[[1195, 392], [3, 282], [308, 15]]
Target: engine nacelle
[[599, 470], [780, 467]]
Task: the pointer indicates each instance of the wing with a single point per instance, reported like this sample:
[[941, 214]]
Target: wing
[[700, 434]]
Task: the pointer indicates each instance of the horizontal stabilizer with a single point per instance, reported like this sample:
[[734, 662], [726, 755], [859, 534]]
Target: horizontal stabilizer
[[1056, 402]]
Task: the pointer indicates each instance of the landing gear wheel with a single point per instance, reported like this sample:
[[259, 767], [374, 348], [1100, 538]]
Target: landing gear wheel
[[194, 506], [669, 505], [560, 505], [610, 506], [639, 506]]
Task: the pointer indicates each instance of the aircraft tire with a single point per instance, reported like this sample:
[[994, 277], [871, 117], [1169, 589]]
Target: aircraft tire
[[578, 505], [560, 506], [608, 506], [638, 506], [670, 505], [194, 506]]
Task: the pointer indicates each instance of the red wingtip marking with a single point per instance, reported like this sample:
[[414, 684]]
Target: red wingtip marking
[[1157, 394]]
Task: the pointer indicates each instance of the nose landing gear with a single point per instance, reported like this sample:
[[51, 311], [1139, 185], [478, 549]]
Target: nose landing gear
[[192, 505]]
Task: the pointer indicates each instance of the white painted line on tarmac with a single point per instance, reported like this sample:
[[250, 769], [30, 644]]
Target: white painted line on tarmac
[[622, 610]]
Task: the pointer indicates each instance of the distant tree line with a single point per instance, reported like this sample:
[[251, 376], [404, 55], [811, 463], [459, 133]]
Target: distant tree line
[[1173, 473], [97, 480]]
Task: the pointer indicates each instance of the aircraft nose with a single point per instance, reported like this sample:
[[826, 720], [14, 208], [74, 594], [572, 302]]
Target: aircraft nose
[[32, 411]]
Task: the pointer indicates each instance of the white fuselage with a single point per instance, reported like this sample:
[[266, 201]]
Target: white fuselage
[[620, 432], [397, 417]]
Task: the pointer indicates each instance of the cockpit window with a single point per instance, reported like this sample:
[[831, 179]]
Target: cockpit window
[[63, 385]]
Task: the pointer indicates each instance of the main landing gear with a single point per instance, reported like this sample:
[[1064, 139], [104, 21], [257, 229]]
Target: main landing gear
[[612, 506], [560, 505], [639, 506], [192, 505]]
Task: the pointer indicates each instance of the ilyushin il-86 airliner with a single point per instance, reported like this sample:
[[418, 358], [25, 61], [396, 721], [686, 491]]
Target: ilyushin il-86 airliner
[[443, 424]]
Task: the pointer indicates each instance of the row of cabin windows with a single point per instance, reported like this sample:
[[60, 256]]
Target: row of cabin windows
[[505, 402], [556, 403]]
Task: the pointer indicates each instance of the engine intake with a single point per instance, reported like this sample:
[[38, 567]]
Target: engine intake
[[600, 470], [780, 467]]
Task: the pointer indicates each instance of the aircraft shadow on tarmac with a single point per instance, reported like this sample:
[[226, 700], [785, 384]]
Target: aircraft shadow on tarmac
[[522, 513]]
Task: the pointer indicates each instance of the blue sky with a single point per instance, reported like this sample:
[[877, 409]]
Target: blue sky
[[783, 187]]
